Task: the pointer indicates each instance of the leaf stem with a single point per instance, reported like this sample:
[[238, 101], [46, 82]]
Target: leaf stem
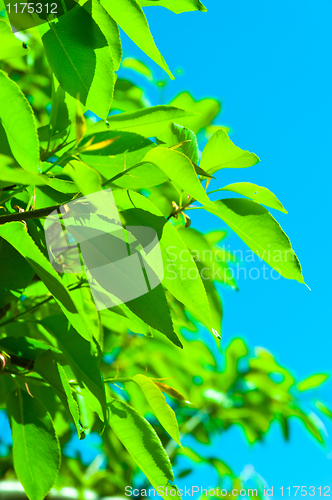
[[119, 379], [180, 209]]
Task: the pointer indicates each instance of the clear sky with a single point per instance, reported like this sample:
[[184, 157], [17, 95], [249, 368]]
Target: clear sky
[[269, 62]]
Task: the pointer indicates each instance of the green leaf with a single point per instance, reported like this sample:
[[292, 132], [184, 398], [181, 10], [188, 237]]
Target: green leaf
[[180, 170], [170, 391], [312, 382], [220, 152], [127, 96], [211, 268], [10, 45], [130, 17], [86, 178], [159, 406], [256, 193], [13, 283], [189, 453], [46, 196], [63, 111], [310, 421], [66, 187], [153, 309], [36, 450], [220, 466], [235, 350], [174, 134], [206, 109], [48, 366], [81, 60], [261, 232], [25, 347], [16, 175], [181, 276], [204, 252], [214, 237], [115, 161], [142, 442], [109, 28], [17, 236], [82, 362], [139, 66], [323, 408], [19, 123], [213, 298], [147, 122], [177, 6], [85, 305]]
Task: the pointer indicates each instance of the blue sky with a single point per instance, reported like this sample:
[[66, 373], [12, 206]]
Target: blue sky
[[269, 63]]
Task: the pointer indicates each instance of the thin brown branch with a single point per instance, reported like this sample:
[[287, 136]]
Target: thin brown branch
[[31, 214]]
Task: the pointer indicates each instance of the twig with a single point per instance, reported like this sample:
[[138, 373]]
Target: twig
[[31, 214]]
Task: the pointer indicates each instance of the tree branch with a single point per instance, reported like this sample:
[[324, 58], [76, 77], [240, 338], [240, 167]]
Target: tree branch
[[31, 214]]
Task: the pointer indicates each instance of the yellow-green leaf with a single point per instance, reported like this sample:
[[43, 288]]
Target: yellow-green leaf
[[130, 17], [312, 382], [10, 45], [142, 442], [220, 152], [36, 450], [86, 178], [159, 406], [261, 232], [180, 170], [19, 123], [256, 193]]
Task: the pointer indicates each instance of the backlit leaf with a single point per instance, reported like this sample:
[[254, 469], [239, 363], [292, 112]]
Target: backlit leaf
[[256, 193], [220, 152], [205, 109], [170, 391], [179, 169], [82, 362], [15, 118], [15, 175], [147, 122], [159, 406], [86, 178], [177, 6], [79, 55], [10, 45], [142, 442], [175, 134], [48, 366], [130, 17], [262, 233], [139, 66], [312, 382], [36, 450]]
